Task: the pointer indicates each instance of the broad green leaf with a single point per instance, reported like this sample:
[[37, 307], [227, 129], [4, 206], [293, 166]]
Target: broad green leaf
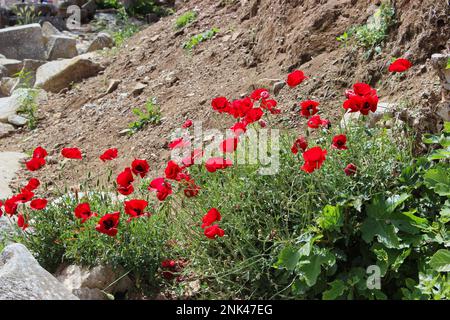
[[395, 201], [440, 154], [440, 261], [400, 259], [288, 258], [331, 218], [447, 123], [385, 233], [337, 289], [438, 179], [311, 270], [445, 213]]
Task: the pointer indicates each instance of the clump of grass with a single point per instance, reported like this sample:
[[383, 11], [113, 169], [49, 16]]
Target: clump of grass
[[28, 105], [195, 40], [371, 35], [151, 115], [185, 19]]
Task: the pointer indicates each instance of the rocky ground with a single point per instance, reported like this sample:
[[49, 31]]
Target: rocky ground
[[259, 42]]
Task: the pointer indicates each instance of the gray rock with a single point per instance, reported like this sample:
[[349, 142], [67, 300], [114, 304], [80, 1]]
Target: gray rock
[[90, 7], [88, 284], [102, 40], [60, 46], [113, 84], [10, 105], [12, 66], [8, 85], [384, 110], [22, 278], [30, 66], [5, 130], [49, 30], [17, 120], [57, 75], [138, 89], [277, 86], [9, 165], [23, 42]]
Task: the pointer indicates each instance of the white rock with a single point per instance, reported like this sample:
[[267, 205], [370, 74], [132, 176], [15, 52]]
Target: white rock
[[5, 130], [17, 120], [61, 47], [102, 40], [22, 278], [22, 42]]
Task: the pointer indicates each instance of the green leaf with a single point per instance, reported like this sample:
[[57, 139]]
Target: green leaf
[[311, 269], [440, 261], [400, 259], [448, 64], [337, 289], [331, 218], [447, 123], [385, 233], [288, 258], [438, 179]]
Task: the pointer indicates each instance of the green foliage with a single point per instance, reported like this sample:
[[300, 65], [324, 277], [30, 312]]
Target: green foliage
[[107, 4], [151, 115], [185, 19], [29, 107], [26, 14], [370, 36], [195, 40]]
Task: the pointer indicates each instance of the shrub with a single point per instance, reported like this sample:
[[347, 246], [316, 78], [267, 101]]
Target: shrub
[[185, 19], [195, 40]]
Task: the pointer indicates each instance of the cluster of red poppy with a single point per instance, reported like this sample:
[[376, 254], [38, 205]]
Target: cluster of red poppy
[[212, 230], [172, 268], [11, 206]]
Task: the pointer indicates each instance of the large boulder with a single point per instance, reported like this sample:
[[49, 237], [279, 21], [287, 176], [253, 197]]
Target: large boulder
[[12, 66], [102, 40], [92, 283], [60, 46], [23, 42], [57, 75], [22, 278], [9, 164]]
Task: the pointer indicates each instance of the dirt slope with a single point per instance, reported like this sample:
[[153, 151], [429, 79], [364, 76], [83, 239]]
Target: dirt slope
[[259, 39]]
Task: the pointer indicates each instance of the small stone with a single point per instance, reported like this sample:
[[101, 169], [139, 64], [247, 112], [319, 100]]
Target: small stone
[[113, 84], [138, 89], [5, 130], [277, 86], [17, 120], [102, 40]]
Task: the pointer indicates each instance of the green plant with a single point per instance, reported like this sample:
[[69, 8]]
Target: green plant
[[28, 98], [195, 40], [370, 36], [151, 115], [26, 14], [185, 19]]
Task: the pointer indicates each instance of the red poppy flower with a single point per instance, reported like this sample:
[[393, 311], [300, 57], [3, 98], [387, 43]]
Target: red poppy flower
[[125, 178], [362, 89], [190, 160], [170, 264], [350, 169], [135, 208], [214, 164], [354, 103], [109, 154], [108, 224], [24, 196], [10, 206], [271, 106], [83, 212], [295, 78], [214, 231], [253, 115], [125, 190], [210, 217], [314, 122], [140, 167], [172, 170], [179, 143], [259, 94], [239, 108], [220, 104], [162, 187], [400, 65], [39, 152], [35, 164], [21, 222], [229, 145], [38, 204], [339, 142], [370, 104], [239, 128], [308, 108], [300, 143], [314, 159], [187, 124], [33, 184], [71, 153]]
